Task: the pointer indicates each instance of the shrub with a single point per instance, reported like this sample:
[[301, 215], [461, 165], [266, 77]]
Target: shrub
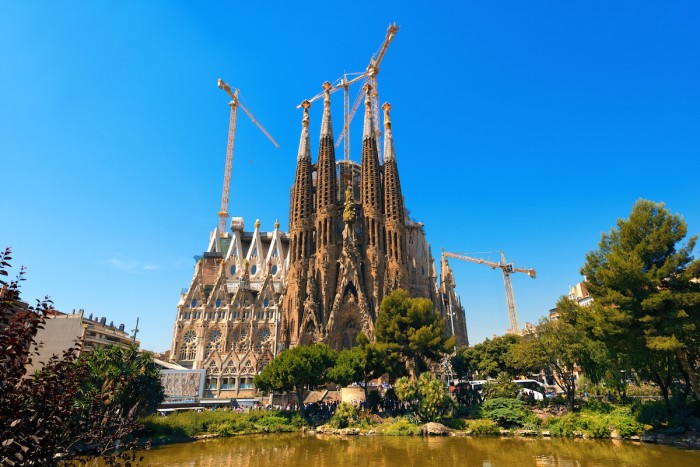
[[456, 424], [401, 427], [484, 428], [595, 427], [505, 412], [344, 416], [652, 413], [564, 426], [597, 406]]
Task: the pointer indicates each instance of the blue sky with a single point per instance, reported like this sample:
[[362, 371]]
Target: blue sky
[[528, 127]]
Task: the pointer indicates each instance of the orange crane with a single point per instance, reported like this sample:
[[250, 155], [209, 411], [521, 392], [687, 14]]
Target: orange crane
[[235, 103], [344, 83], [508, 269]]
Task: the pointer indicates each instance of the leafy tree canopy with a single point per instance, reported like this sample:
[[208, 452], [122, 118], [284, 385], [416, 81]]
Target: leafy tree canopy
[[489, 358], [133, 376], [296, 368], [362, 363], [646, 289], [413, 328]]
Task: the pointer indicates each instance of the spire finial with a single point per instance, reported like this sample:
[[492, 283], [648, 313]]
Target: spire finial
[[368, 130], [257, 223], [326, 126], [304, 146], [387, 118], [389, 153], [305, 119], [277, 224]]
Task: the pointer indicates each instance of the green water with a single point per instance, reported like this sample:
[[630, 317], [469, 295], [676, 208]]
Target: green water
[[321, 451]]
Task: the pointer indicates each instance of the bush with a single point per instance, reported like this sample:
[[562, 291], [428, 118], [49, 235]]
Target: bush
[[484, 428], [188, 424], [564, 426], [345, 415], [597, 406], [401, 427], [505, 412], [652, 413], [456, 424]]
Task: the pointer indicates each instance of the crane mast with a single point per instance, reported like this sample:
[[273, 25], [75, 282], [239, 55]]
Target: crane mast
[[234, 104], [508, 269]]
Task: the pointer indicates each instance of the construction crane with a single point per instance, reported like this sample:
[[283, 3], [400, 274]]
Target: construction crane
[[235, 103], [348, 79], [508, 269]]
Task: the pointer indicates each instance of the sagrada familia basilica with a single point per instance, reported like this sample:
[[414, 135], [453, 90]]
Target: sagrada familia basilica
[[350, 243]]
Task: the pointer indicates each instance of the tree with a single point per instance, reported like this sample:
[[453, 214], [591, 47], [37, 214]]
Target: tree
[[646, 286], [559, 346], [296, 368], [413, 328], [133, 376], [489, 359], [427, 396], [364, 362], [40, 422]]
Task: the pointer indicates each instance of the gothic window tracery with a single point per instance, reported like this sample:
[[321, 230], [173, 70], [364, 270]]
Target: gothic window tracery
[[239, 341], [188, 349]]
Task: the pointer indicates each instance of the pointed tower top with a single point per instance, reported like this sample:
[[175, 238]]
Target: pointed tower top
[[257, 224], [304, 146], [277, 224], [326, 125], [368, 130], [389, 153]]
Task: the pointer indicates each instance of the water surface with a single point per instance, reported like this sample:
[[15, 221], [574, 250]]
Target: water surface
[[289, 450]]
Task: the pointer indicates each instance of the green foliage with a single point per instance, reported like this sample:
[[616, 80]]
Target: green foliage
[[560, 346], [489, 359], [413, 329], [428, 397], [133, 376], [456, 424], [506, 412], [373, 399], [595, 421], [400, 427], [596, 406], [295, 368], [502, 387], [362, 363], [647, 297], [345, 415], [187, 424], [484, 427], [652, 413]]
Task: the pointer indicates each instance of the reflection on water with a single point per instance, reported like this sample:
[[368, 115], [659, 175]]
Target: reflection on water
[[330, 451]]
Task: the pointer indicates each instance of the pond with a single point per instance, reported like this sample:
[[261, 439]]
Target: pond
[[289, 450]]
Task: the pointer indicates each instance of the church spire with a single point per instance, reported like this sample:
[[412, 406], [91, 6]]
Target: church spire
[[368, 129], [389, 153], [326, 184], [304, 145], [300, 225], [326, 124]]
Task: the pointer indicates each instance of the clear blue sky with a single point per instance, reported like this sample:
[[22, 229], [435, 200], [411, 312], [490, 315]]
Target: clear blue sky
[[528, 127]]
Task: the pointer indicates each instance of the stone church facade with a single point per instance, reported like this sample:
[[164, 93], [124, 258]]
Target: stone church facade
[[350, 243]]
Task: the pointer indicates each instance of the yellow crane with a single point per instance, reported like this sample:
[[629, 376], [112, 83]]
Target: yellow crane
[[508, 269], [235, 103], [348, 79]]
